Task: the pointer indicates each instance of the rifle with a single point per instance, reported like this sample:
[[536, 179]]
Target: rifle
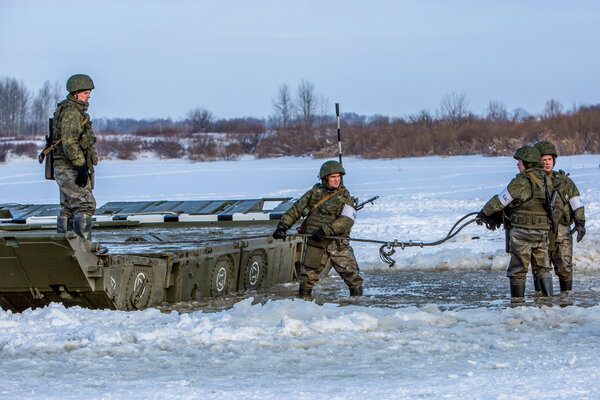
[[364, 203], [552, 211], [49, 167]]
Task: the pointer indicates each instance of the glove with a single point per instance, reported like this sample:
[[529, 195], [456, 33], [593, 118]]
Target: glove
[[492, 222], [480, 218], [318, 235], [580, 229], [279, 233], [82, 176]]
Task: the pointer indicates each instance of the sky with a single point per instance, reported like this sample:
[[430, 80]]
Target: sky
[[159, 59]]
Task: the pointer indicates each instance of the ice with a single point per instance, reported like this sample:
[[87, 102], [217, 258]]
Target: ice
[[300, 349]]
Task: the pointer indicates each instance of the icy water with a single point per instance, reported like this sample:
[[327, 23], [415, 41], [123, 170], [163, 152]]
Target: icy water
[[438, 325], [448, 290]]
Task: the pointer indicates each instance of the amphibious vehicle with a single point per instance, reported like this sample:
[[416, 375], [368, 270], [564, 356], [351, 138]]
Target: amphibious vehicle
[[157, 252]]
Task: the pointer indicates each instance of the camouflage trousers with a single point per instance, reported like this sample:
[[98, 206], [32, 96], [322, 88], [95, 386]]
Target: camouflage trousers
[[342, 259], [561, 252], [528, 246], [73, 199]]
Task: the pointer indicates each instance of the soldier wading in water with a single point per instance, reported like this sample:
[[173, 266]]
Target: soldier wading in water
[[524, 201], [567, 208], [74, 158], [328, 209]]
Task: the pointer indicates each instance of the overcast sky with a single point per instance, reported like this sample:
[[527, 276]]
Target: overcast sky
[[154, 59]]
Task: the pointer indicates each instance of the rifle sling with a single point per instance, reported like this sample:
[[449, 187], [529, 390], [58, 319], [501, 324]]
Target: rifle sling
[[536, 180], [317, 204], [49, 149]]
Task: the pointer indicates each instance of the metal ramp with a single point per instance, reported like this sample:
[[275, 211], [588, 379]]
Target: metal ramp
[[111, 214]]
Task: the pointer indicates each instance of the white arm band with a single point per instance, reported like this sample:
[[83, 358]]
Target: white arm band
[[576, 203], [505, 197], [349, 212]]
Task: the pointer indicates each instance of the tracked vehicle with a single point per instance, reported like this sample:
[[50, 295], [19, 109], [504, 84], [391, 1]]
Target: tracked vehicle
[[158, 252]]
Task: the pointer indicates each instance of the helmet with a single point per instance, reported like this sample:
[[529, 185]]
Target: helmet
[[331, 167], [546, 148], [528, 154], [79, 82]]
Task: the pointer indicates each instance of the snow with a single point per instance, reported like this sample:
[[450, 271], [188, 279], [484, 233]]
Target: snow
[[292, 348]]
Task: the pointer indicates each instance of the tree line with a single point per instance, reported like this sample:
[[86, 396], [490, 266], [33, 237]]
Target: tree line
[[302, 124]]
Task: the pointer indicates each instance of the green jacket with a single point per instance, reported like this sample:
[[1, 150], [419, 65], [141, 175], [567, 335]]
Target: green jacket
[[335, 216], [524, 199], [568, 197], [72, 124]]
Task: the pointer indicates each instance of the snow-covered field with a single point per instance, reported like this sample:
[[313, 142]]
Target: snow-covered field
[[297, 349]]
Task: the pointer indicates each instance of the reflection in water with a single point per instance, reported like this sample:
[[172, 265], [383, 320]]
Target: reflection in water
[[449, 290]]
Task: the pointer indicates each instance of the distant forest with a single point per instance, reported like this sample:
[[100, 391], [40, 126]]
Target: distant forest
[[301, 126]]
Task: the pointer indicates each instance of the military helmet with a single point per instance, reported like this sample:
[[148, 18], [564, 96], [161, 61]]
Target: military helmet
[[546, 148], [331, 167], [79, 83], [528, 154]]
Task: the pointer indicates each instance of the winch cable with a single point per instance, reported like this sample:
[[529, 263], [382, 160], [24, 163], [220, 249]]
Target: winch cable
[[388, 248]]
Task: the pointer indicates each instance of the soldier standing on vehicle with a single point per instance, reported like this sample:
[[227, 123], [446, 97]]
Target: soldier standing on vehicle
[[524, 200], [75, 157], [567, 208], [328, 210]]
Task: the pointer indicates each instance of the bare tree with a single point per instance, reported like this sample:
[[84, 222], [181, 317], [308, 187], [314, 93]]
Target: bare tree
[[283, 107], [553, 109], [42, 107], [307, 103], [325, 116], [199, 119], [14, 101], [496, 111], [519, 114], [454, 108]]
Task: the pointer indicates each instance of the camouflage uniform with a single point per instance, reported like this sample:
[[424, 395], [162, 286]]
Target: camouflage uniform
[[336, 217], [568, 208], [561, 242], [73, 127], [524, 202]]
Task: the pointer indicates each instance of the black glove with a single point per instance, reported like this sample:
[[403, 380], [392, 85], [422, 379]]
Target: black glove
[[580, 229], [82, 176], [492, 222], [279, 233], [480, 218], [319, 234]]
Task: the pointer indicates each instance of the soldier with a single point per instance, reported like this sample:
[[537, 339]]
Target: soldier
[[328, 211], [74, 158], [567, 208], [524, 201]]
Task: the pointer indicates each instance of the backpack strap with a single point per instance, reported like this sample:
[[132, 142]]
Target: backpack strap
[[317, 204]]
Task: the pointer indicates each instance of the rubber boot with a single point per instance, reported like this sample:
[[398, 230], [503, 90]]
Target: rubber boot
[[565, 286], [536, 284], [62, 224], [82, 225], [356, 290], [304, 292], [517, 290], [546, 286]]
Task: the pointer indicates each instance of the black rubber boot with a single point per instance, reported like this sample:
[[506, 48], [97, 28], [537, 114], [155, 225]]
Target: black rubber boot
[[517, 290], [536, 284], [82, 225], [62, 224], [304, 292], [546, 286], [356, 290], [565, 286]]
